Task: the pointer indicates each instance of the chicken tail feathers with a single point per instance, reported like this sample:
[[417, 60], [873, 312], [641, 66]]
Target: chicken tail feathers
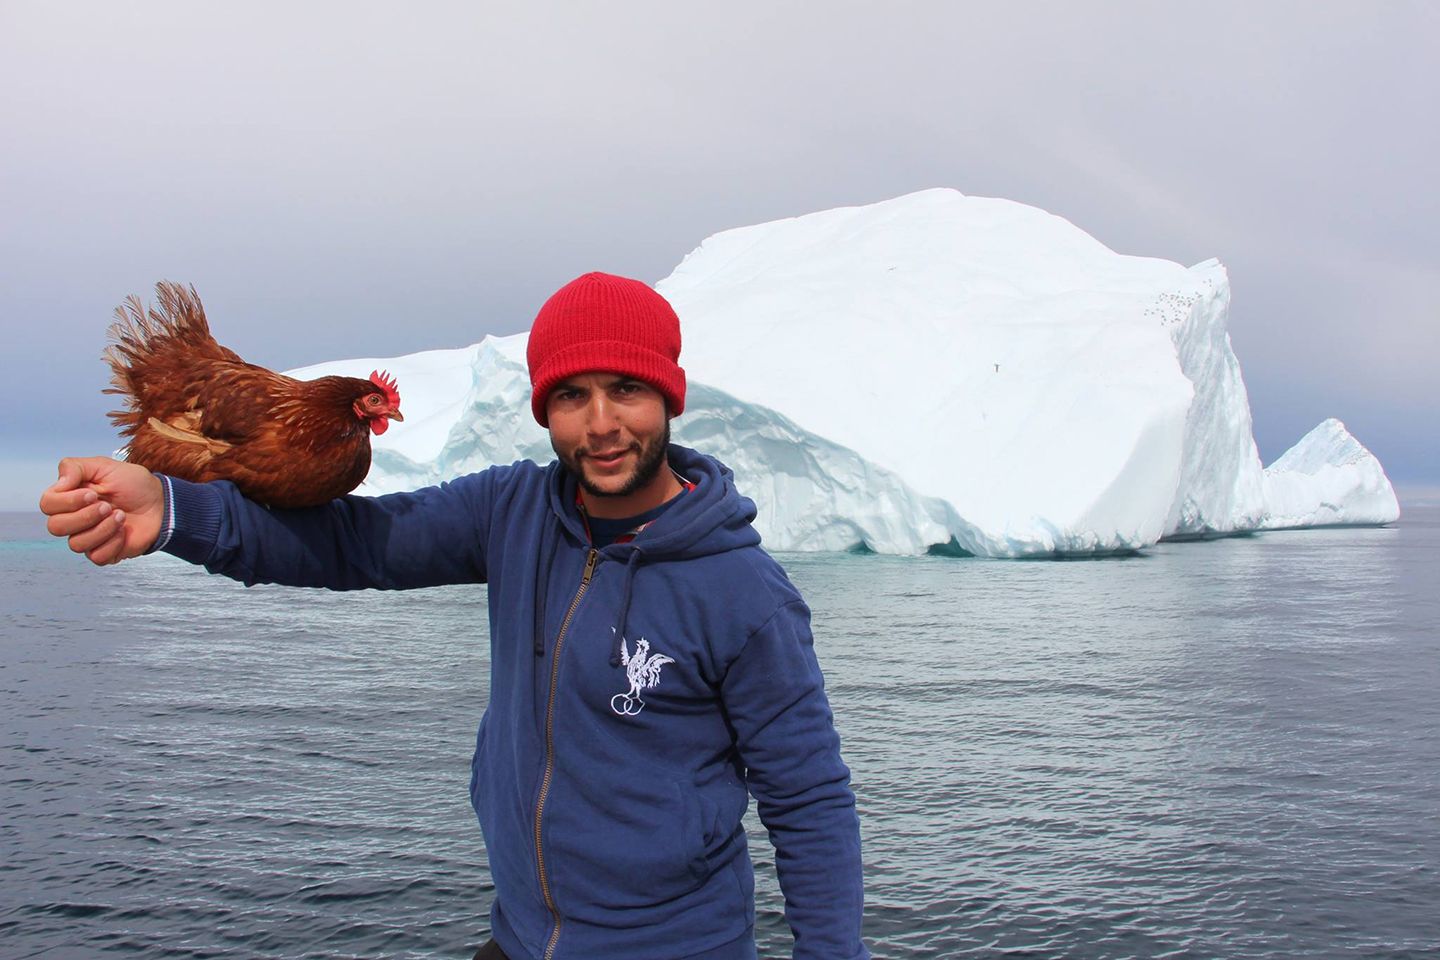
[[151, 349]]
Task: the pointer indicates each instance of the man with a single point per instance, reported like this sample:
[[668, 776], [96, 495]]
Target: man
[[649, 661]]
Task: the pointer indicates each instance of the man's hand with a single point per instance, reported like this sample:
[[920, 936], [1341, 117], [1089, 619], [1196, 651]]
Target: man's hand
[[110, 510]]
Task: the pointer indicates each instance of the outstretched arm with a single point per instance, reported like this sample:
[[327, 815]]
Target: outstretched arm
[[423, 538], [113, 511]]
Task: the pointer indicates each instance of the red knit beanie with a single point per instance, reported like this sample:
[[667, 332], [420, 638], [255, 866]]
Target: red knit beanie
[[603, 323]]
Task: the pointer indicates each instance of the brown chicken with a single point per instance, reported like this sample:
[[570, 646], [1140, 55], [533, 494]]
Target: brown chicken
[[195, 410]]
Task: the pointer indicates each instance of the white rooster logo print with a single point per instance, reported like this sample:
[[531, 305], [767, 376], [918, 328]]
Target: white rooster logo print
[[642, 669]]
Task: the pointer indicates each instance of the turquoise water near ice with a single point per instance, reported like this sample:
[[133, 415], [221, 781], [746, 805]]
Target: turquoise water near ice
[[1217, 749]]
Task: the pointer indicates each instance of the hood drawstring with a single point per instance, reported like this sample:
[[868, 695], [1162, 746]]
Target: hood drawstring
[[543, 558], [632, 563]]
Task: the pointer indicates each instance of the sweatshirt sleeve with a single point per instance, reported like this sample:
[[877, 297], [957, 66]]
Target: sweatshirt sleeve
[[775, 697], [424, 538]]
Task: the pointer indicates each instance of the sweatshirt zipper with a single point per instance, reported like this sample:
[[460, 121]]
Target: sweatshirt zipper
[[590, 560]]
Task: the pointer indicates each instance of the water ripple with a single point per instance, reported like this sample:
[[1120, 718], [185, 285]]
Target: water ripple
[[1226, 748]]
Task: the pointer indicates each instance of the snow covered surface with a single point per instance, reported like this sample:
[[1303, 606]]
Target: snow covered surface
[[1220, 488], [1328, 479], [934, 370], [1061, 397]]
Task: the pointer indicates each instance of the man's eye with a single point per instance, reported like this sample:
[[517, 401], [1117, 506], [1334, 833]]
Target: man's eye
[[627, 388]]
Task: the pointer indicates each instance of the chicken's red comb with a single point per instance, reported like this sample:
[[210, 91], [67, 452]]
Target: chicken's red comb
[[384, 381]]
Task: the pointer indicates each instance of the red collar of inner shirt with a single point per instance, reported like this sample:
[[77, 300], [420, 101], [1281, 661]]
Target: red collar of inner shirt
[[628, 535]]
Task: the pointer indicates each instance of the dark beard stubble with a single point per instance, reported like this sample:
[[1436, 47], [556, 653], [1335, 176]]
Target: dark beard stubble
[[647, 467]]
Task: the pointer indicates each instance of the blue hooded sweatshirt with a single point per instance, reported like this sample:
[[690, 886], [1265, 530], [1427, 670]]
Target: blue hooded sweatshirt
[[637, 693]]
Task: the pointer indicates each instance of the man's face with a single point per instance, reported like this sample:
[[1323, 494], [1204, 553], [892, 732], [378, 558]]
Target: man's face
[[611, 432]]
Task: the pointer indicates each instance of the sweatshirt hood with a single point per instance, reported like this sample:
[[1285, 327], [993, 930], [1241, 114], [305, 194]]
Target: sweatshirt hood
[[709, 519], [712, 518]]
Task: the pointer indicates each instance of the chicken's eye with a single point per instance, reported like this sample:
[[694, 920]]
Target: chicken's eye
[[373, 399]]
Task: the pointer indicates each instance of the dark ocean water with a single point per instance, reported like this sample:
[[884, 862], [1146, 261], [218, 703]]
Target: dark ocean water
[[1217, 749]]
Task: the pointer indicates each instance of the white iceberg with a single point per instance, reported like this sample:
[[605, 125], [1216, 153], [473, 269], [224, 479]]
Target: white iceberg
[[1220, 488], [1060, 397], [1328, 479], [932, 371]]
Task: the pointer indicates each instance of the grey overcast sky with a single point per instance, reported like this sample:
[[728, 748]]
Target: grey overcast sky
[[358, 178]]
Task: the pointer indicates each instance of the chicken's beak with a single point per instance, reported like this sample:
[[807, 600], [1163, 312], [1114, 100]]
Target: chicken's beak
[[395, 415]]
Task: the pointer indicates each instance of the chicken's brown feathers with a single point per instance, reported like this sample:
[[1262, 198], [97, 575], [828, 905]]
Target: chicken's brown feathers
[[151, 351], [196, 410]]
